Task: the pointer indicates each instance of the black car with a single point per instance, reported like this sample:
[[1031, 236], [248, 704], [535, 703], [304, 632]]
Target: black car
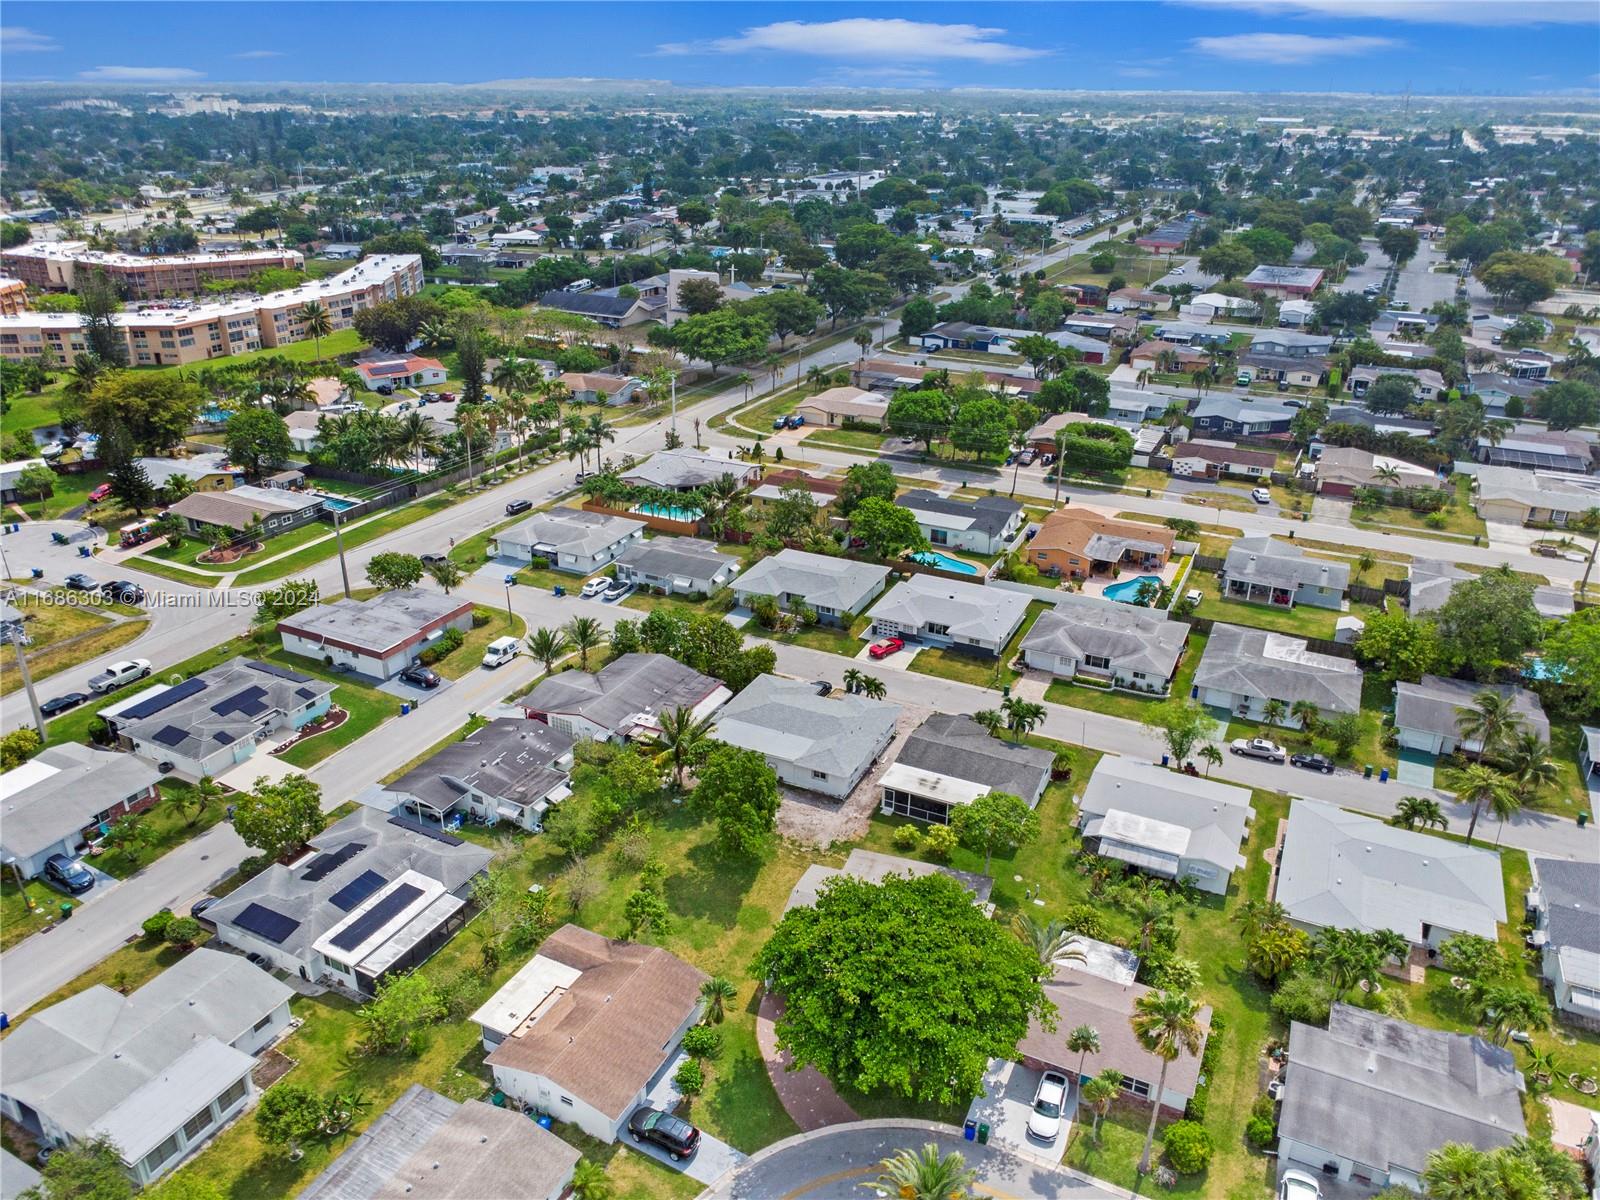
[[673, 1134], [61, 704], [79, 582], [518, 506], [1313, 762], [124, 591], [429, 560], [67, 875], [420, 676], [822, 686], [197, 910]]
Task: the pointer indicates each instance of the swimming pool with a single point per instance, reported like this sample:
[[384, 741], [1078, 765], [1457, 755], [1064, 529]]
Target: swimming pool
[[1541, 671], [337, 503], [670, 511], [932, 558], [1125, 591]]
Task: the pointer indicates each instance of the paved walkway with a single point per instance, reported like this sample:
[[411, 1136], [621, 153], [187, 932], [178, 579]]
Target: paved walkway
[[806, 1094]]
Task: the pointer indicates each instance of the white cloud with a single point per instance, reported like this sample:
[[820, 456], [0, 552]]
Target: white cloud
[[1288, 47], [888, 39], [15, 39], [141, 74], [258, 54], [1425, 12], [1139, 72]]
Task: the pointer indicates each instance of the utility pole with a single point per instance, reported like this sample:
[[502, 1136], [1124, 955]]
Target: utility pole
[[344, 571], [674, 402], [27, 681]]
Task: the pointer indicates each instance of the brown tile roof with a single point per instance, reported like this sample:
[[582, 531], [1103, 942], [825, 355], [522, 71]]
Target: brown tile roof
[[1224, 452], [603, 1038], [577, 381], [1071, 532]]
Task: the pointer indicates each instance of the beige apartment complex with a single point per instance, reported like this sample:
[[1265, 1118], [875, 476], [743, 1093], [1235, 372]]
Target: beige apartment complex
[[55, 267], [186, 332], [13, 297]]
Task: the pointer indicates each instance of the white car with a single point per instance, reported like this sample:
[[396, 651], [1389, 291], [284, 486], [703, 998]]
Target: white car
[[1298, 1185], [1044, 1122], [595, 587], [1177, 270], [1194, 595], [1261, 496], [1262, 748]]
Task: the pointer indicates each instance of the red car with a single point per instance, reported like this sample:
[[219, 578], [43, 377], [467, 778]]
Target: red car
[[100, 493], [886, 647]]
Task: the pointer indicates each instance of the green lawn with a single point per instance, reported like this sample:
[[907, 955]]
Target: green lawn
[[17, 920], [343, 341], [63, 637], [1459, 518], [368, 708], [1369, 751], [385, 523], [1130, 705], [993, 673], [854, 440], [469, 656], [168, 823], [1303, 620], [126, 968], [188, 549]]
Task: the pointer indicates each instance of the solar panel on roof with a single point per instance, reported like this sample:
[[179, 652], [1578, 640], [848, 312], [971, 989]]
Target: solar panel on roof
[[248, 702], [432, 831], [170, 735], [267, 923], [323, 864], [148, 708], [305, 693], [224, 737], [376, 917], [358, 889], [277, 671]]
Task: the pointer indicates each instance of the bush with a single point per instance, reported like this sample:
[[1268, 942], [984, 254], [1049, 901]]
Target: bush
[[450, 640], [1188, 1147], [1260, 1132], [155, 925], [939, 842], [183, 931], [690, 1078], [907, 837], [480, 618], [253, 864], [1086, 919], [540, 563], [702, 1042], [1303, 997]]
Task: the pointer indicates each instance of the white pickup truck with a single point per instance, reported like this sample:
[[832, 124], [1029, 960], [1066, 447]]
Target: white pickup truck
[[119, 673]]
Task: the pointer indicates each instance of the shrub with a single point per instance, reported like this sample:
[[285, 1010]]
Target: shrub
[[450, 640], [1303, 997], [155, 925], [480, 618], [540, 563], [1260, 1132], [1188, 1147], [183, 931], [1086, 919], [702, 1042], [907, 837], [939, 842], [690, 1078]]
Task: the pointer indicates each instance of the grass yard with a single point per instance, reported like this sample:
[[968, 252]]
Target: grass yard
[[187, 550], [1303, 620], [469, 656], [59, 655], [1459, 518], [17, 920], [31, 410], [993, 673], [70, 492], [1130, 705], [342, 341], [368, 708], [856, 441], [385, 523], [169, 824]]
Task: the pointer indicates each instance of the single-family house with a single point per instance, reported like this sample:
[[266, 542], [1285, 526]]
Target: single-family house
[[845, 405], [380, 636], [569, 539], [608, 307], [1369, 1098], [159, 1071], [964, 335], [425, 1144], [269, 510], [1564, 909], [303, 425], [1286, 282], [587, 1025], [1204, 458], [1352, 414], [1157, 354], [1296, 314], [822, 744], [684, 470], [1432, 581], [1106, 642], [1430, 385], [987, 525], [676, 566], [65, 796], [1296, 370], [1517, 496], [1102, 327], [213, 720], [592, 388], [1077, 544], [1285, 343], [1589, 753], [1129, 406], [1164, 823], [935, 611], [1084, 997], [1042, 437], [1170, 235], [1426, 713], [1212, 306], [1243, 670], [401, 370], [373, 896], [1341, 870], [1559, 451], [1497, 389], [1261, 570], [511, 769], [1343, 469], [1187, 333], [11, 472], [624, 699], [950, 760], [871, 867], [1238, 416], [831, 587], [205, 472], [1132, 299]]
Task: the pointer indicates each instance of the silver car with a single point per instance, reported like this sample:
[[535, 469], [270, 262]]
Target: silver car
[[1044, 1122]]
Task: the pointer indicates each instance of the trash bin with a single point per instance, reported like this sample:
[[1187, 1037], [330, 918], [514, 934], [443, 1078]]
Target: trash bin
[[83, 552], [969, 1130], [545, 1121], [66, 910], [1166, 760], [1583, 819], [405, 708], [1366, 772], [983, 1133], [1383, 775]]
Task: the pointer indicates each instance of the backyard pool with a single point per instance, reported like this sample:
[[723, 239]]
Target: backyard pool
[[337, 503], [932, 558], [670, 511], [1126, 591]]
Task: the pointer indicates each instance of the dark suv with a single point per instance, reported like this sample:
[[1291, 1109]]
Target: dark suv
[[69, 875], [518, 506], [673, 1134]]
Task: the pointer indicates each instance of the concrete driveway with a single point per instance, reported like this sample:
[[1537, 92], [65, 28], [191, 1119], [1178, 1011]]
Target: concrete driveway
[[1007, 1103], [714, 1157]]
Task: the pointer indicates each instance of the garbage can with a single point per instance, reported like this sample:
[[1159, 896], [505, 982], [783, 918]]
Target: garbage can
[[1383, 775], [1166, 760], [969, 1130], [66, 910], [1366, 772], [545, 1121], [1583, 819], [983, 1133], [405, 708]]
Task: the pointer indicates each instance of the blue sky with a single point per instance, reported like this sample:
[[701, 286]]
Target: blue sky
[[1503, 46]]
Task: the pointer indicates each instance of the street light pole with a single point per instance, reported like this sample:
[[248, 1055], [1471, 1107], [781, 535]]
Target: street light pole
[[509, 580]]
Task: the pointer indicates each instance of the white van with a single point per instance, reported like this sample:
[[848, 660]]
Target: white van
[[499, 651]]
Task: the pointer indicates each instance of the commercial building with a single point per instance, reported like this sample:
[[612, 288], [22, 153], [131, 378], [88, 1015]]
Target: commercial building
[[1287, 282], [13, 297], [63, 266]]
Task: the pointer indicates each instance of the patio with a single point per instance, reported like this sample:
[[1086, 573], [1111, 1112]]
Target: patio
[[1097, 584]]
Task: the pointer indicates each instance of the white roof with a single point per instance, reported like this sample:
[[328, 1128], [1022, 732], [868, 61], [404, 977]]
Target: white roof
[[539, 980], [932, 784], [147, 1117], [1163, 837]]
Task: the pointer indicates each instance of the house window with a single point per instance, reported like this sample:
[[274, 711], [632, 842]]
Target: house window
[[1137, 1087], [232, 1096], [1098, 661], [197, 1124], [154, 1161], [261, 1024], [819, 774], [939, 537], [939, 630], [567, 1100]]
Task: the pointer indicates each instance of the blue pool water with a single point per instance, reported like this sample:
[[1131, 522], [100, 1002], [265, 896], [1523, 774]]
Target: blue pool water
[[670, 511], [1123, 592], [932, 558], [337, 503], [1539, 671]]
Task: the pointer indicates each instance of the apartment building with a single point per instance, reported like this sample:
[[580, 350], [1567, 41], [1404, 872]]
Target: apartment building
[[56, 267], [13, 297], [189, 331]]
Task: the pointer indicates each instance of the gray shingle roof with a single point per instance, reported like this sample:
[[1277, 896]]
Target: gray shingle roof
[[1268, 561], [625, 687], [971, 610], [1386, 1093], [511, 759], [872, 867], [1133, 638], [837, 583], [1341, 870], [1215, 814], [683, 468], [785, 719], [1570, 892], [571, 531], [1432, 581], [61, 789], [954, 744], [988, 514], [691, 558], [1433, 704], [1239, 411], [1277, 666]]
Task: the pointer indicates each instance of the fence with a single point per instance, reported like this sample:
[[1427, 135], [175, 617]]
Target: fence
[[658, 523], [1360, 593]]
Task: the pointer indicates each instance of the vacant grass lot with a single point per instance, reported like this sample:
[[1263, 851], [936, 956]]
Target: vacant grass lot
[[58, 654]]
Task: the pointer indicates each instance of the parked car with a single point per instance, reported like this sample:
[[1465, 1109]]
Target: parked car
[[1194, 595], [595, 587], [886, 646], [616, 590], [518, 506], [198, 908], [420, 676], [1262, 748], [79, 582], [673, 1134], [67, 874], [428, 560], [1261, 496], [100, 493], [1313, 762], [796, 421], [1026, 458], [1044, 1122], [383, 389], [780, 422], [61, 704], [119, 673], [1298, 1185], [124, 591], [822, 686]]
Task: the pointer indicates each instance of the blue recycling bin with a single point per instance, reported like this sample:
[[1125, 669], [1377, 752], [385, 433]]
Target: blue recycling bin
[[1383, 775], [545, 1121], [83, 552], [970, 1131], [405, 708]]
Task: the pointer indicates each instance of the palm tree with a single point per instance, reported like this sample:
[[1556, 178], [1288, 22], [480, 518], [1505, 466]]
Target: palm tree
[[862, 339], [1098, 1093], [1022, 717], [871, 687], [924, 1175], [590, 1181], [318, 324], [1477, 786], [585, 633], [1457, 1171], [1527, 761], [1273, 711], [991, 720], [547, 645], [1307, 713], [744, 379], [716, 992], [1489, 721], [1152, 914], [1389, 475], [682, 738], [598, 433], [417, 438], [1364, 563], [1166, 1025], [1052, 941], [1085, 1039], [1254, 916], [1414, 811], [435, 332], [1212, 755], [469, 423], [852, 680], [1508, 1006], [1019, 443]]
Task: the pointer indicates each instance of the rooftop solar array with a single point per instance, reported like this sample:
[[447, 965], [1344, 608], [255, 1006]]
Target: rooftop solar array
[[280, 672], [376, 917], [266, 923], [323, 864], [249, 702], [358, 889], [170, 735], [147, 708], [431, 831]]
